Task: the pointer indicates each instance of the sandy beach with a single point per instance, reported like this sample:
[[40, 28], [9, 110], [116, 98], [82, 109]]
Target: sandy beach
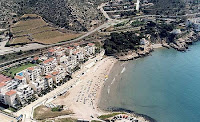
[[84, 97]]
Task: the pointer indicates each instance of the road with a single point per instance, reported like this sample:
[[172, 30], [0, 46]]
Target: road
[[6, 118], [102, 11], [7, 50]]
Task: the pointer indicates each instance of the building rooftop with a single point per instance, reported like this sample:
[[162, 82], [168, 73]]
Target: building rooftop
[[11, 92], [35, 58], [75, 44], [48, 60], [75, 52], [19, 77], [70, 48], [4, 78], [51, 50], [2, 84], [55, 73], [30, 68], [48, 76], [91, 44]]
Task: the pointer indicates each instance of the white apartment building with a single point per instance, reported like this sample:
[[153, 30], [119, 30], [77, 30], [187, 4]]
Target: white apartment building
[[11, 98], [13, 84], [63, 59], [51, 52], [59, 74], [59, 51], [70, 50], [57, 77], [32, 73], [70, 63], [90, 49], [48, 65], [5, 87], [49, 81], [3, 90], [24, 92], [38, 85], [78, 54], [20, 79]]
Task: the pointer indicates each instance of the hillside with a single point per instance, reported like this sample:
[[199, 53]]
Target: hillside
[[74, 15], [167, 7], [32, 28]]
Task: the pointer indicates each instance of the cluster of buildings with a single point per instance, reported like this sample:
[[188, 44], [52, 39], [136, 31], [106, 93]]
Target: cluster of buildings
[[194, 22], [51, 71], [122, 5]]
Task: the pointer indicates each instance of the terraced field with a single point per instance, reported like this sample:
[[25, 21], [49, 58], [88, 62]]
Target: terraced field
[[20, 40], [49, 37], [32, 28], [34, 31]]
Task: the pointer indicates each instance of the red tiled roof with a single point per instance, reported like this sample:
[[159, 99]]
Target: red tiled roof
[[48, 60], [75, 52], [48, 76], [9, 93], [19, 77], [76, 44], [4, 78], [2, 84], [51, 50], [35, 58], [70, 48], [91, 44], [30, 68], [55, 73]]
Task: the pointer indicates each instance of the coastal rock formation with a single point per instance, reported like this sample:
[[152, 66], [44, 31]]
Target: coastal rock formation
[[130, 55], [182, 43]]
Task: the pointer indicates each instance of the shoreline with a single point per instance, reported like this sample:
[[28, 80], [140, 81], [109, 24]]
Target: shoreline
[[85, 99], [122, 62], [115, 75]]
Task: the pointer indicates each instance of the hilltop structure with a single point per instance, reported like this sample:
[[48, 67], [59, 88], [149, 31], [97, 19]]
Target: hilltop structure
[[138, 5]]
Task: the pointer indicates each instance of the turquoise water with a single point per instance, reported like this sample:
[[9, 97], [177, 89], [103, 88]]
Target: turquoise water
[[164, 86]]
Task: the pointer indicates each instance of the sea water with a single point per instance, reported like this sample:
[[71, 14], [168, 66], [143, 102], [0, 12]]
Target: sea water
[[164, 86]]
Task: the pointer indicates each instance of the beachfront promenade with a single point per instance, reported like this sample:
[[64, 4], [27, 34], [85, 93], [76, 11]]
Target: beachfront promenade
[[83, 99], [28, 111]]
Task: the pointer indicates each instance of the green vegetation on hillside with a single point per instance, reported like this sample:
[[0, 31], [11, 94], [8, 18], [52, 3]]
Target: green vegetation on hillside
[[104, 117], [137, 23], [120, 42], [159, 30]]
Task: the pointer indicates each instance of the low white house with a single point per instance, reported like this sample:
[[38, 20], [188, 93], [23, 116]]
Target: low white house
[[143, 41], [90, 49], [195, 22], [176, 31]]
